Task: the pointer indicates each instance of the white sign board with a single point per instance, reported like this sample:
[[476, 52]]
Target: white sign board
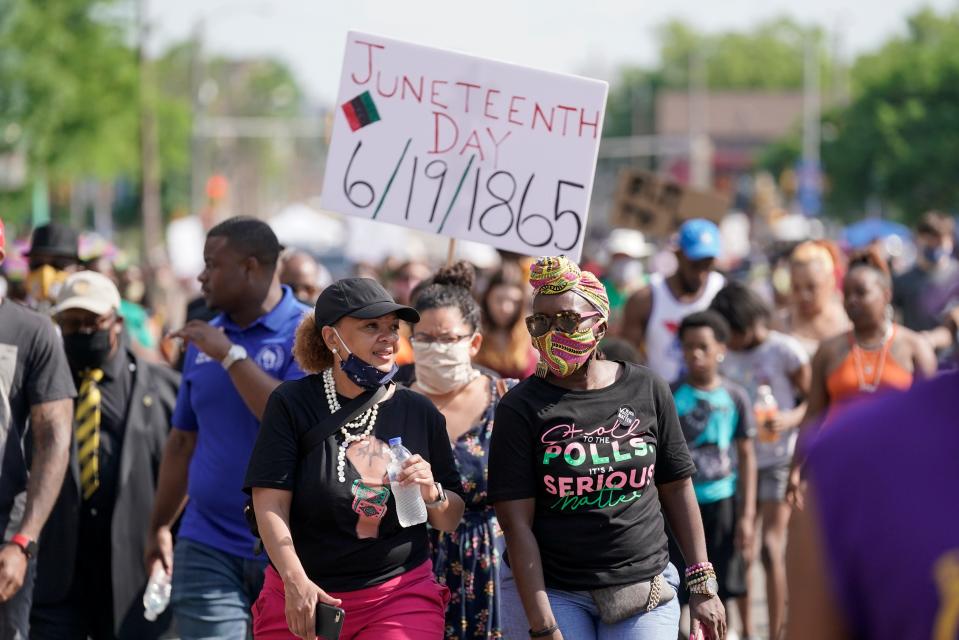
[[464, 147]]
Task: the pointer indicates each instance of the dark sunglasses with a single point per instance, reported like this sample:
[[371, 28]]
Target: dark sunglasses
[[539, 324]]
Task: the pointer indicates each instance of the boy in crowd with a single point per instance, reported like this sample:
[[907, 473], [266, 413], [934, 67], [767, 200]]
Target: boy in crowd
[[717, 422], [764, 360]]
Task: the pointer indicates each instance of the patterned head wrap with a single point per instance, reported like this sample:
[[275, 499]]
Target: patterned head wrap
[[553, 275]]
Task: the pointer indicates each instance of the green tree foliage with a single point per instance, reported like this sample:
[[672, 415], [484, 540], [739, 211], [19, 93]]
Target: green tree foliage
[[898, 137], [70, 98], [768, 56], [69, 82]]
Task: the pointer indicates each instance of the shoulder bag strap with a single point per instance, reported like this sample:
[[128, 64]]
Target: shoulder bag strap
[[328, 426]]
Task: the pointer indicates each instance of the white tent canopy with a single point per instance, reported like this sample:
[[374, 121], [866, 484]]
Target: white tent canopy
[[304, 227]]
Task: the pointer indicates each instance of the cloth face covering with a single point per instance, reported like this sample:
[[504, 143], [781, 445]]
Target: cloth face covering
[[565, 353], [442, 368], [362, 373]]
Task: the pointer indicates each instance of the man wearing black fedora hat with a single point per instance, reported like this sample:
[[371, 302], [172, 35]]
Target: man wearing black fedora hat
[[53, 255]]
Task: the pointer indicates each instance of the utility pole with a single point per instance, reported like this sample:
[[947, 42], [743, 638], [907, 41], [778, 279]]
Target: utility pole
[[811, 103], [150, 207], [810, 181], [700, 146], [196, 107]]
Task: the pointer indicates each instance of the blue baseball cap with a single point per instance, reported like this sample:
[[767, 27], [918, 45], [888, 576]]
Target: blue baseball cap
[[699, 239]]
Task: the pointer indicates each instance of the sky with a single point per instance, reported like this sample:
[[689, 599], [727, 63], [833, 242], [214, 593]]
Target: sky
[[586, 37]]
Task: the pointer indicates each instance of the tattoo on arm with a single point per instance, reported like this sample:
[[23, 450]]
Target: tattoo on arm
[[51, 426]]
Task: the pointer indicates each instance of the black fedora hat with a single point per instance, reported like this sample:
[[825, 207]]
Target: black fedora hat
[[358, 298], [55, 239]]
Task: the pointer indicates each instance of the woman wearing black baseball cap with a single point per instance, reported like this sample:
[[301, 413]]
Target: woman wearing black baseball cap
[[333, 497]]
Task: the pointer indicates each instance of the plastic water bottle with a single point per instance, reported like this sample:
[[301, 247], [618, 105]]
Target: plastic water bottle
[[156, 597], [410, 508], [766, 409]]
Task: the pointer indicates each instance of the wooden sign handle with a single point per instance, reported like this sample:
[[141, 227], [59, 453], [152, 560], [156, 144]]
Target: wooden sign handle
[[450, 252]]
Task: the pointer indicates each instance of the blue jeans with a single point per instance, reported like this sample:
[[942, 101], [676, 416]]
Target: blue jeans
[[577, 617], [213, 591], [512, 617]]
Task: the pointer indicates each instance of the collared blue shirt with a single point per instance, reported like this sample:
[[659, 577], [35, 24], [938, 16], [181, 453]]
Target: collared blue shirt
[[210, 405]]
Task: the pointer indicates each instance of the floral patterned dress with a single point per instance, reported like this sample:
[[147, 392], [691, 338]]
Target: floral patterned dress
[[468, 560]]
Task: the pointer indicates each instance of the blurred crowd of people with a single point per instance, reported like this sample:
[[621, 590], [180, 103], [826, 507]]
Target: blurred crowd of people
[[127, 453]]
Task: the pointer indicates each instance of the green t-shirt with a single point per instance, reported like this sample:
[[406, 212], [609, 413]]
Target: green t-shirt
[[137, 323]]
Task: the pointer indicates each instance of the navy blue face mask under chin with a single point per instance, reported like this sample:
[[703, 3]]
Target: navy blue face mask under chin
[[362, 373]]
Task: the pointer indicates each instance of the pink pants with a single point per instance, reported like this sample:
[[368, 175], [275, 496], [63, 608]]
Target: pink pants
[[411, 606]]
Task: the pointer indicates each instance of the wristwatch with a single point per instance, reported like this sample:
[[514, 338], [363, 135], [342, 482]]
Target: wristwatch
[[28, 546], [709, 588], [236, 353], [439, 501]]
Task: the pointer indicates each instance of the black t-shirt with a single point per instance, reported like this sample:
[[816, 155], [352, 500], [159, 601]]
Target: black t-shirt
[[33, 370], [346, 534], [589, 458]]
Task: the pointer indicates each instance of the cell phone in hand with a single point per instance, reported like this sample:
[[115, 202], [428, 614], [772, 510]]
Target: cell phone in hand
[[329, 621]]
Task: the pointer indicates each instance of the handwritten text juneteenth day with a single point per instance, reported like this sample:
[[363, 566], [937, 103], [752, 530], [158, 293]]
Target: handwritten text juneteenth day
[[449, 96]]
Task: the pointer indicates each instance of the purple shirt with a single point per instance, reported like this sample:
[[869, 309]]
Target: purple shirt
[[210, 405], [886, 479]]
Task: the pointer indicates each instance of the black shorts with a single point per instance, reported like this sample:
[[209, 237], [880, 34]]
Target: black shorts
[[719, 523]]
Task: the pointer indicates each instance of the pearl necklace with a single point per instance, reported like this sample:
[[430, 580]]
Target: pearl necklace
[[367, 419]]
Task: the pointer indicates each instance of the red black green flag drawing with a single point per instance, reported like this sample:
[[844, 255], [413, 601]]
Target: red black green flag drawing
[[360, 111]]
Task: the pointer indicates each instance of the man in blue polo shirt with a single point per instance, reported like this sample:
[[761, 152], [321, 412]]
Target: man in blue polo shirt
[[232, 365]]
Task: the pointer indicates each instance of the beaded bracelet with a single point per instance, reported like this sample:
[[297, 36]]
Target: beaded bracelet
[[700, 574], [700, 579], [696, 568]]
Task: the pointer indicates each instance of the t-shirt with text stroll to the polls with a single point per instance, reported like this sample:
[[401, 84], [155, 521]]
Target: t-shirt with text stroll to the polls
[[589, 459], [33, 370], [712, 419]]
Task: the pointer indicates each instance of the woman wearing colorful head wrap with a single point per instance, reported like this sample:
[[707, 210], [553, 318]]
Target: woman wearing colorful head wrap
[[586, 458]]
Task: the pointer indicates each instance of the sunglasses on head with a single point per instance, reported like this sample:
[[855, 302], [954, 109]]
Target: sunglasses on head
[[539, 324]]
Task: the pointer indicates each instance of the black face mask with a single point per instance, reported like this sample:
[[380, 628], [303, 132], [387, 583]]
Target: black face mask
[[87, 350]]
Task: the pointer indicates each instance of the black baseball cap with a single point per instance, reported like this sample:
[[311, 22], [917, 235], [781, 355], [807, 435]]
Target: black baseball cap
[[358, 298]]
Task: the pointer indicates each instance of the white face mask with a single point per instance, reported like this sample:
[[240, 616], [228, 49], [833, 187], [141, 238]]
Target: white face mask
[[443, 368], [626, 272]]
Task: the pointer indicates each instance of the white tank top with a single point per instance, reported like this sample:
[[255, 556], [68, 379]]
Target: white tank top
[[663, 351]]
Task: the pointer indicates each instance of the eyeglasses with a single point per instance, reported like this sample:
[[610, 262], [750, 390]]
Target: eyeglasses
[[426, 339], [539, 324]]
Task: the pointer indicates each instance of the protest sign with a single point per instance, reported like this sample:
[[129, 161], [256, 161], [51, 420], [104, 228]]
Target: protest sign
[[657, 205], [463, 146]]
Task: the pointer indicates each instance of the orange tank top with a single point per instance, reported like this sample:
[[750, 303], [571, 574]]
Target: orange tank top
[[866, 371]]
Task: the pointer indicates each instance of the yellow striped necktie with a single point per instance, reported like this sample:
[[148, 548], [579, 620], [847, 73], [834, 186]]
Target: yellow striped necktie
[[88, 431]]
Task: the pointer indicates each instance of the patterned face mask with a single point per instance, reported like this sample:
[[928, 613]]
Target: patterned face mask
[[565, 353]]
